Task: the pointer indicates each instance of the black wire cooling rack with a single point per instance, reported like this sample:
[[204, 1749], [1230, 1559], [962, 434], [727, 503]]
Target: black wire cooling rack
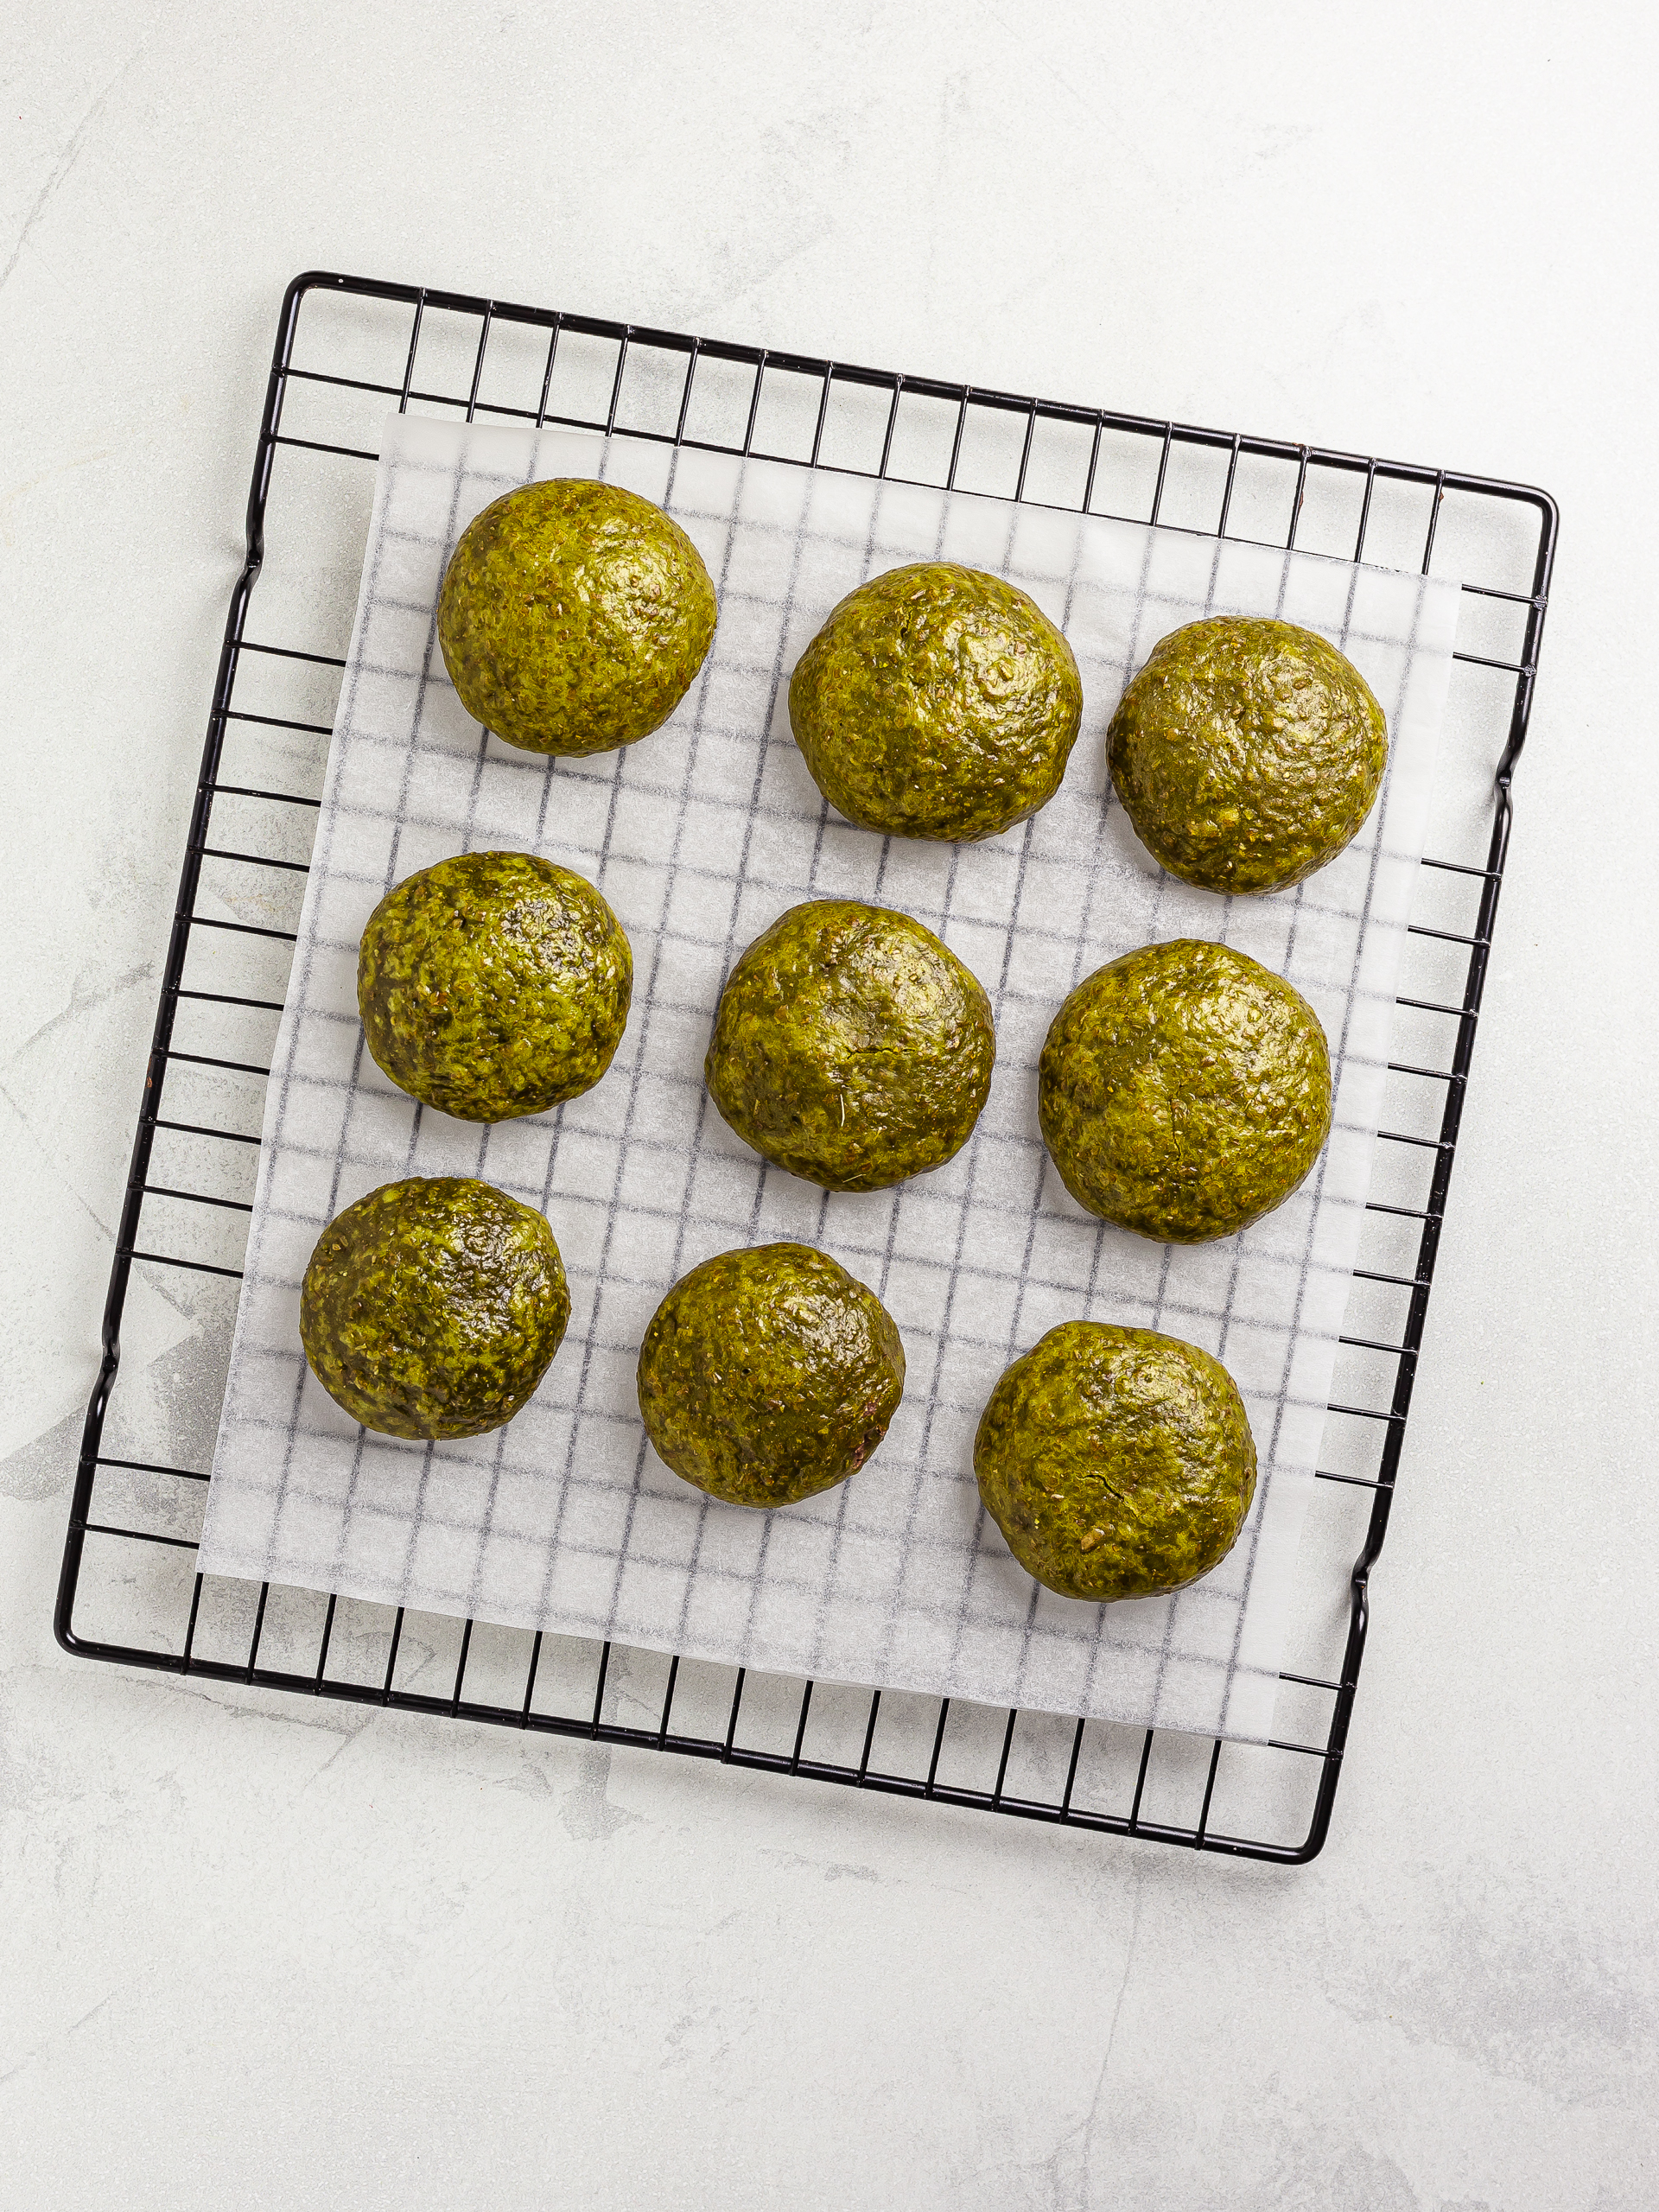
[[345, 348]]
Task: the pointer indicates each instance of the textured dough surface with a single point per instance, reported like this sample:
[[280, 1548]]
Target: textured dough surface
[[573, 616], [851, 1047], [432, 1307], [1183, 1091], [493, 984], [1247, 753], [1117, 1463], [937, 702], [768, 1374]]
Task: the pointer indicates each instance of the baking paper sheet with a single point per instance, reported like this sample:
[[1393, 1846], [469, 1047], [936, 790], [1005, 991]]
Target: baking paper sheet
[[699, 836]]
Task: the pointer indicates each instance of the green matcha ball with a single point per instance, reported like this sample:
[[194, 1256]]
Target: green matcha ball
[[433, 1307], [769, 1374], [850, 1047], [1184, 1091], [1118, 1462], [493, 984], [937, 702], [1247, 753], [573, 616]]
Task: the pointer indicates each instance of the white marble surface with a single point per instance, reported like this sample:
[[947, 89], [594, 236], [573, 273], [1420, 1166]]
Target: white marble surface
[[256, 1955]]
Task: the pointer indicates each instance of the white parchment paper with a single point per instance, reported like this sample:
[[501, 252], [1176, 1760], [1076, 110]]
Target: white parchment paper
[[699, 836]]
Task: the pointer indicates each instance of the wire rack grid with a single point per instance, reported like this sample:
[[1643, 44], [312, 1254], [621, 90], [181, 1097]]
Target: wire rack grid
[[129, 1593]]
